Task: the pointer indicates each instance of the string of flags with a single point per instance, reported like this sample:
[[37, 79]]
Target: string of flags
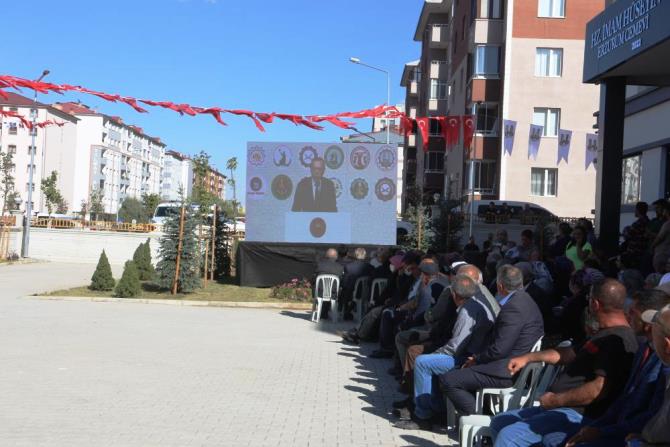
[[27, 123], [451, 126]]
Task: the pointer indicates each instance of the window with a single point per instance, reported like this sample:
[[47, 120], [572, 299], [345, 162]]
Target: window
[[11, 149], [34, 149], [491, 9], [487, 60], [551, 8], [549, 118], [438, 90], [435, 128], [433, 161], [28, 168], [631, 176], [543, 182], [28, 186], [548, 62], [12, 128], [485, 173], [487, 118]]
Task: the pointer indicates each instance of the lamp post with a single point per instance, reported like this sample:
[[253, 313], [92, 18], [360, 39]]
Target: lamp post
[[25, 242], [357, 61]]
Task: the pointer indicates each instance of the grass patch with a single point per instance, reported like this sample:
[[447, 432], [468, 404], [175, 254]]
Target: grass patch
[[214, 291]]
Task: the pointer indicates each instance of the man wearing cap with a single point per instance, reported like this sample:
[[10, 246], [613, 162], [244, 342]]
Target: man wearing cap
[[657, 430], [469, 336]]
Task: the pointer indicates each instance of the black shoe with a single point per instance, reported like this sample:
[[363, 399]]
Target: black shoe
[[402, 413], [350, 337], [404, 387], [414, 424], [405, 403], [395, 371], [381, 354]]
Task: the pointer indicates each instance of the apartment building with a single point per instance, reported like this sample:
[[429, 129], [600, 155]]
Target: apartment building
[[177, 176], [52, 149], [627, 53], [118, 159], [213, 182], [518, 60]]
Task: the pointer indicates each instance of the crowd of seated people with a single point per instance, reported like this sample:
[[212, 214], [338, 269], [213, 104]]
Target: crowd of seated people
[[453, 324]]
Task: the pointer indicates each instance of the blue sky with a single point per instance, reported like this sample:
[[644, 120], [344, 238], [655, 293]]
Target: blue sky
[[286, 56]]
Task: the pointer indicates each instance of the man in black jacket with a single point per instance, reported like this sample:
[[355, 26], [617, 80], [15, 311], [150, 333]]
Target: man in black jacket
[[518, 327], [328, 266], [315, 193], [353, 270]]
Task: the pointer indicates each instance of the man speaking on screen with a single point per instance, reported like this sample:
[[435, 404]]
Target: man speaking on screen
[[315, 193]]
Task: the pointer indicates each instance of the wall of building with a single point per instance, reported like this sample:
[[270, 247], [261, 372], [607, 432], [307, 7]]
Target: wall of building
[[577, 101], [59, 144]]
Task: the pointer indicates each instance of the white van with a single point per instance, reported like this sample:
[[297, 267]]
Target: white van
[[481, 208]]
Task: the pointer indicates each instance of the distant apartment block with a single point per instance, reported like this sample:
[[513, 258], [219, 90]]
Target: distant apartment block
[[177, 176], [519, 60]]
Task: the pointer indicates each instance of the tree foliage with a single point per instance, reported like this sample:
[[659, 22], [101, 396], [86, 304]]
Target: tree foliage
[[142, 260], [150, 202], [7, 193], [421, 235], [102, 278], [132, 209], [224, 246], [189, 271], [129, 285], [445, 229], [52, 196]]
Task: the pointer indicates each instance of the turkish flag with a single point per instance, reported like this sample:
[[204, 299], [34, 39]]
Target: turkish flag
[[451, 129], [468, 130], [424, 126], [406, 125]]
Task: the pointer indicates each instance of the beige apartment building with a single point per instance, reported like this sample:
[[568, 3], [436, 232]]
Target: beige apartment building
[[498, 60]]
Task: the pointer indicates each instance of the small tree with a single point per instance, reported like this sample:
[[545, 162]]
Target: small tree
[[189, 270], [7, 193], [150, 202], [95, 205], [231, 165], [446, 230], [421, 235], [129, 284], [132, 209], [102, 278], [142, 260], [54, 199], [223, 250]]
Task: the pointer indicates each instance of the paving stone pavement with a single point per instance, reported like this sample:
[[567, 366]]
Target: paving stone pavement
[[116, 374]]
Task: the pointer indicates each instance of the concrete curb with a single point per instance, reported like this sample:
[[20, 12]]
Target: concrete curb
[[177, 302]]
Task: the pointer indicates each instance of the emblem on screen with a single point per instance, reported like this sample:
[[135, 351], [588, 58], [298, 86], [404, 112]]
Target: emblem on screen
[[282, 157], [385, 189], [317, 227], [360, 158], [338, 186], [282, 187], [359, 189], [334, 157], [256, 156], [256, 184], [385, 158], [307, 154]]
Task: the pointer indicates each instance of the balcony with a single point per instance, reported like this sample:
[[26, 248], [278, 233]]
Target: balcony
[[414, 88], [486, 31], [411, 140], [433, 180], [439, 36], [439, 70]]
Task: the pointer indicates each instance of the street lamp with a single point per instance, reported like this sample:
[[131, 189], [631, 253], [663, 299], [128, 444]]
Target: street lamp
[[357, 61], [25, 242]]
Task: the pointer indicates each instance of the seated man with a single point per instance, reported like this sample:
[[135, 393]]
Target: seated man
[[472, 326], [328, 266], [657, 430], [517, 328], [592, 379], [643, 394], [352, 271]]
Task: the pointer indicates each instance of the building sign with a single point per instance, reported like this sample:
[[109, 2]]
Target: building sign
[[623, 30]]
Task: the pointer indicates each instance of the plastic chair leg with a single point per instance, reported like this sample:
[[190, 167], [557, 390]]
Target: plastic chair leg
[[333, 310], [319, 303]]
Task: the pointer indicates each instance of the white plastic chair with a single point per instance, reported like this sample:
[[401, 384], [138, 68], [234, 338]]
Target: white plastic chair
[[378, 286], [477, 426], [500, 397], [324, 287], [361, 291]]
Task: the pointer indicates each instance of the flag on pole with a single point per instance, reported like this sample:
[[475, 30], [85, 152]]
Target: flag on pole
[[591, 149], [509, 127], [564, 140], [534, 138]]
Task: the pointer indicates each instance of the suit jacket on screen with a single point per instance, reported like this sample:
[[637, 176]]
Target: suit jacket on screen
[[304, 199]]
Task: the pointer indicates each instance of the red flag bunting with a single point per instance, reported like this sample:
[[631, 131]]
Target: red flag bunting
[[424, 127], [468, 130], [452, 131]]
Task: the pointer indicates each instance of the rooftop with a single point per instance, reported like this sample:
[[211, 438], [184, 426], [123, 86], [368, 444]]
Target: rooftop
[[16, 100]]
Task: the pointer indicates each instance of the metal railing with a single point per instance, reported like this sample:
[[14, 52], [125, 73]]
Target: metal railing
[[523, 219], [94, 225]]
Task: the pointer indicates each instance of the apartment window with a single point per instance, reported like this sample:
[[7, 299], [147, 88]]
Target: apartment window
[[548, 62], [13, 128], [33, 149], [435, 128], [438, 90], [487, 118], [491, 9], [630, 186], [551, 8], [28, 186], [485, 173], [549, 118], [11, 149], [433, 161], [28, 168], [543, 182], [487, 60]]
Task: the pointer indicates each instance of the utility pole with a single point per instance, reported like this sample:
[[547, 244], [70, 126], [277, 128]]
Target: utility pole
[[179, 247]]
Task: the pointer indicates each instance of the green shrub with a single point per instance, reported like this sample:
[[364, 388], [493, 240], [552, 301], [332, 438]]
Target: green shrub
[[296, 290], [102, 278], [142, 260], [129, 284]]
